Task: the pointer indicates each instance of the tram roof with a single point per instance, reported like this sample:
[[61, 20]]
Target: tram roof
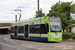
[[34, 19], [27, 20]]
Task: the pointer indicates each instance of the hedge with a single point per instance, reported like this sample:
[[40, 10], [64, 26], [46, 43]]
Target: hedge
[[68, 35], [73, 35]]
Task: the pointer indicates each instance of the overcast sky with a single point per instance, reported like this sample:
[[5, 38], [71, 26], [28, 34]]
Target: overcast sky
[[28, 7]]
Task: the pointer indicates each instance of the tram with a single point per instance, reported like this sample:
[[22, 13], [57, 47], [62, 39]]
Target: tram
[[39, 29]]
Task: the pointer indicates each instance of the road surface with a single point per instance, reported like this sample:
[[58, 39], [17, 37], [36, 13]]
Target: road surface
[[6, 43]]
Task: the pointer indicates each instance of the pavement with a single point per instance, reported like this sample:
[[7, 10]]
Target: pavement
[[16, 44], [69, 40]]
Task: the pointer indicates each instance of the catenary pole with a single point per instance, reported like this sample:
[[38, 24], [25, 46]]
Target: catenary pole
[[38, 8], [15, 18]]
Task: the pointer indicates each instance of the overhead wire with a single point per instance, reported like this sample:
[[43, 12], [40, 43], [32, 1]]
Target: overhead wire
[[19, 6]]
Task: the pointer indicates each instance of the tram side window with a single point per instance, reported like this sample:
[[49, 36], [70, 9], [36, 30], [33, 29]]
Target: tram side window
[[12, 29], [44, 28], [20, 29], [31, 28], [36, 28]]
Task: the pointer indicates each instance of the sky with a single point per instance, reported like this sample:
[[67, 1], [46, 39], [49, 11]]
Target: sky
[[28, 7]]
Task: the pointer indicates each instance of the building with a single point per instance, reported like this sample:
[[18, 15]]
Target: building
[[4, 28]]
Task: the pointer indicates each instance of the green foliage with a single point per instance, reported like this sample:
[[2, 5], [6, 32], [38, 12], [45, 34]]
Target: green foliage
[[73, 25], [40, 13], [72, 21], [72, 8], [73, 36], [68, 35]]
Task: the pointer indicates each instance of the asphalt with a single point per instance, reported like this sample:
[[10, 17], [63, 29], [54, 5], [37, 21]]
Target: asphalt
[[6, 43]]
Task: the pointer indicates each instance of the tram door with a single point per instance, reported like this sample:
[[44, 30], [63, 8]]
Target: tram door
[[26, 31], [15, 34]]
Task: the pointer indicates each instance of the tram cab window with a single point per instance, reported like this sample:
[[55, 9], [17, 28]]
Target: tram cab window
[[44, 28], [12, 29], [20, 29], [36, 28], [31, 28]]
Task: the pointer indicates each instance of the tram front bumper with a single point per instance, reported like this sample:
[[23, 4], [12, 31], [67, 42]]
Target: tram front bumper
[[55, 39]]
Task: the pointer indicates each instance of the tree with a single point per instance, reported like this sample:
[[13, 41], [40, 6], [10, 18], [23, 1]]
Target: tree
[[72, 21], [62, 10], [40, 13], [72, 8]]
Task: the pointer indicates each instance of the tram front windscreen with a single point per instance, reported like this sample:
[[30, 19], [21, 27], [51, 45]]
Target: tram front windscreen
[[55, 24]]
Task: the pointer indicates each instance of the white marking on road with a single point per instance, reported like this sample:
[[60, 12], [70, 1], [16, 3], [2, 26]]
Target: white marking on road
[[5, 39], [28, 46], [40, 48], [9, 40], [9, 46], [49, 48]]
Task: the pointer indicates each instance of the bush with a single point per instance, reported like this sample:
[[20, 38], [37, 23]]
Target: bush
[[73, 35], [67, 35]]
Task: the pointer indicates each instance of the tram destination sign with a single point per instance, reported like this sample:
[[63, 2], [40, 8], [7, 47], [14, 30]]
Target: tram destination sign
[[51, 19]]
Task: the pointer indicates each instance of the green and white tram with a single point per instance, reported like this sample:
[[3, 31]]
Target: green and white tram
[[39, 29]]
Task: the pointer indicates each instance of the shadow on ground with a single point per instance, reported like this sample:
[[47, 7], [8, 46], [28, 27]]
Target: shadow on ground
[[37, 41]]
